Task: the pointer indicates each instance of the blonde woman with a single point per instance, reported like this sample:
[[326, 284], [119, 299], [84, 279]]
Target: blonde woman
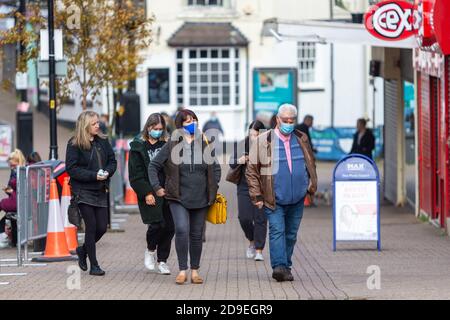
[[90, 163], [9, 204]]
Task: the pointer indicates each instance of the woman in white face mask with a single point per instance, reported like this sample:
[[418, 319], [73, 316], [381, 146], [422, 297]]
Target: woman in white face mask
[[154, 210]]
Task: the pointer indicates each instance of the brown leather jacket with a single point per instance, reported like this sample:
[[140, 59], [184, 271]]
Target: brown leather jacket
[[259, 169]]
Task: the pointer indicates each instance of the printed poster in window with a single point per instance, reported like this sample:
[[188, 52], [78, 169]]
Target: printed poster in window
[[5, 144], [272, 88]]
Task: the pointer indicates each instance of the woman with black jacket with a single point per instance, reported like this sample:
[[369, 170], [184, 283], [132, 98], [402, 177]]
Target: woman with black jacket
[[253, 221], [191, 184], [154, 210], [90, 163]]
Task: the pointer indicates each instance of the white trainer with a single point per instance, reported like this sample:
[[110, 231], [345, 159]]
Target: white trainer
[[259, 257], [251, 252], [163, 268], [150, 260]]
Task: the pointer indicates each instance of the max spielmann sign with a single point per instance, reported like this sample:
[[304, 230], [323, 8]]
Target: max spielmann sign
[[427, 20], [356, 202]]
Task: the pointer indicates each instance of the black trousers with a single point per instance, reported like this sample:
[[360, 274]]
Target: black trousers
[[189, 224], [160, 235], [96, 222], [253, 221]]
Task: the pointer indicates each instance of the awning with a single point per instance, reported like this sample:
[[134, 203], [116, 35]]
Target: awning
[[207, 34], [329, 32]]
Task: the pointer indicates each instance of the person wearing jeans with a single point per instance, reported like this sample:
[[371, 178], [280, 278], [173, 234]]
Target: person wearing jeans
[[191, 184], [280, 172]]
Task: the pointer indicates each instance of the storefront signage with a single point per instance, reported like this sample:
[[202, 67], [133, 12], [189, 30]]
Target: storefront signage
[[431, 63], [391, 20], [425, 32], [6, 143], [356, 206]]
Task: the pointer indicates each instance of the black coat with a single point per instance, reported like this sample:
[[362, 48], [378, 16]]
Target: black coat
[[138, 173], [83, 165], [366, 145]]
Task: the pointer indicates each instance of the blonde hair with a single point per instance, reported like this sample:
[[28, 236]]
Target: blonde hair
[[18, 156], [82, 128]]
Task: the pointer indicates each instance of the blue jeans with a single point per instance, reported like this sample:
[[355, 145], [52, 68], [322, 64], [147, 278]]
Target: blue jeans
[[284, 223]]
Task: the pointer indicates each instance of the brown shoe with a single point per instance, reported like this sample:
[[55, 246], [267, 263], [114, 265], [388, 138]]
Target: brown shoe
[[181, 279], [196, 280]]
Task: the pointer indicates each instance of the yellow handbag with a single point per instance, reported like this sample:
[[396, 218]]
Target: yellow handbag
[[217, 213]]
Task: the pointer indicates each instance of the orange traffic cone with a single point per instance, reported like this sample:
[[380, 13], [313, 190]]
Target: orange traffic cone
[[69, 229], [130, 195], [56, 248]]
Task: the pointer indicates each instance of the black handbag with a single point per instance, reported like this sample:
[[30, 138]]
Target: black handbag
[[234, 175], [73, 212]]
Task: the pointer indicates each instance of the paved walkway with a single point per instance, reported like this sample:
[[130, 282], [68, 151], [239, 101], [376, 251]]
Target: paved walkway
[[414, 263]]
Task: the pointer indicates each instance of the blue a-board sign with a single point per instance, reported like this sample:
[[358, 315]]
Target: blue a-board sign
[[356, 201]]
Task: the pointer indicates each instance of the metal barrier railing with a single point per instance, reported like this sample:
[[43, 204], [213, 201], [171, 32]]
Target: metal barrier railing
[[33, 191]]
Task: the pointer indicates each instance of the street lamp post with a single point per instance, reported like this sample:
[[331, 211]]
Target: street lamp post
[[23, 12], [52, 82]]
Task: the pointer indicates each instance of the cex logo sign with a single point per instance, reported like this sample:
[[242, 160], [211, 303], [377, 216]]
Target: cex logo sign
[[355, 167], [392, 20]]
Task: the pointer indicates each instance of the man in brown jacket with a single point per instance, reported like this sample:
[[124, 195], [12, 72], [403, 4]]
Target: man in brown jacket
[[280, 172]]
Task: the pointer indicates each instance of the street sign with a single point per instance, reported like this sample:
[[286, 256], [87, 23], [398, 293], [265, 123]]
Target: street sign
[[21, 81], [356, 204], [44, 53], [392, 20], [60, 69]]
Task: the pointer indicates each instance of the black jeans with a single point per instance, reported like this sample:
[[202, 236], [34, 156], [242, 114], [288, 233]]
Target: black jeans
[[96, 222], [160, 235], [253, 221], [189, 224]]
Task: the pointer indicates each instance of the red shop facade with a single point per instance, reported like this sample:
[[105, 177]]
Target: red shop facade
[[432, 67]]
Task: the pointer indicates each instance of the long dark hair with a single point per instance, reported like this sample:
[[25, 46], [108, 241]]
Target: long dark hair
[[255, 125], [153, 120]]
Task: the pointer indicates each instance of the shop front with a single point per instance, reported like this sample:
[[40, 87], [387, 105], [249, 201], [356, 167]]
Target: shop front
[[432, 66]]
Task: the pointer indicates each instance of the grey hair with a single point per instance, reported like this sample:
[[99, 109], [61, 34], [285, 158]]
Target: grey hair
[[287, 108]]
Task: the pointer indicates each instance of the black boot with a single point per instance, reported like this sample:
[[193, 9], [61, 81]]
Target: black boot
[[82, 256], [279, 274], [288, 275], [96, 271]]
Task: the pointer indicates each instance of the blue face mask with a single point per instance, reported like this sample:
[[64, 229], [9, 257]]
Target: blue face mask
[[155, 134], [191, 128], [287, 128]]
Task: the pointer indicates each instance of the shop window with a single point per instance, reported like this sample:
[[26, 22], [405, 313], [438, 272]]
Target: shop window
[[211, 77], [307, 54], [158, 86]]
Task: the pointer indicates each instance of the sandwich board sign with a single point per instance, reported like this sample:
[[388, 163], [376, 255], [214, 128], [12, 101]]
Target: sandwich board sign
[[356, 203]]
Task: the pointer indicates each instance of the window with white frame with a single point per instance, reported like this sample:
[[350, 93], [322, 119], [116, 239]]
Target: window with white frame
[[208, 76], [306, 52], [205, 2]]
